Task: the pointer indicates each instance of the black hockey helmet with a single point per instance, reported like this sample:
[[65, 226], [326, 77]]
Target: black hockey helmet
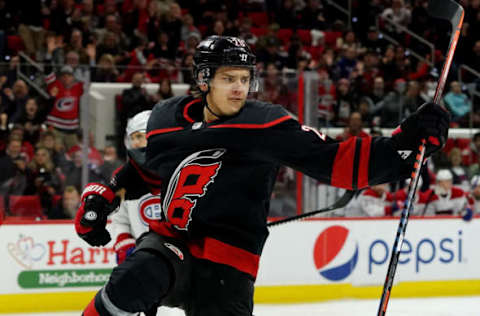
[[216, 51]]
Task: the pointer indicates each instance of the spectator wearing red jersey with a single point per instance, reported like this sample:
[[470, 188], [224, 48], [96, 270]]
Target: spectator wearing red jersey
[[63, 117]]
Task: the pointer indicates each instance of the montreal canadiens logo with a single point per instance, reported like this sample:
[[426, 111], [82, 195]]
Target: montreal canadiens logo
[[150, 209], [335, 253]]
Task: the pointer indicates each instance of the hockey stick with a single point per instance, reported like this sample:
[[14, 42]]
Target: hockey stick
[[341, 202], [453, 12]]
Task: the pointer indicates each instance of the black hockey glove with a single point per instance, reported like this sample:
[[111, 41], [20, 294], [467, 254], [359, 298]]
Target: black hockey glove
[[429, 122], [97, 202]]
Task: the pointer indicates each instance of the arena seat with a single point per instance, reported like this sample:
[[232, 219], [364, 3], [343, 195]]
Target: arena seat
[[26, 206], [259, 19], [284, 35]]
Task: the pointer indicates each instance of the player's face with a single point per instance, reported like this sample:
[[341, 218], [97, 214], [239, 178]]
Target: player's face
[[446, 185], [228, 90], [138, 140]]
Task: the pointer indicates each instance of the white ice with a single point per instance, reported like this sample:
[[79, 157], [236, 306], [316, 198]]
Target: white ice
[[442, 306]]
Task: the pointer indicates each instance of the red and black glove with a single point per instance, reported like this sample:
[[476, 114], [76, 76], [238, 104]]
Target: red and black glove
[[124, 246], [429, 122], [97, 201]]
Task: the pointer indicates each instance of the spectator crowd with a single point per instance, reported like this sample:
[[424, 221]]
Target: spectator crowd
[[362, 80]]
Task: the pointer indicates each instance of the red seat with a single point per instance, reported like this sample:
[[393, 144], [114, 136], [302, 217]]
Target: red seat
[[463, 143], [331, 38], [259, 19], [305, 37], [258, 31], [26, 206], [284, 35], [14, 43]]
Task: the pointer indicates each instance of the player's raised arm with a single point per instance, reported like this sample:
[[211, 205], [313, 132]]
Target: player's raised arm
[[357, 162]]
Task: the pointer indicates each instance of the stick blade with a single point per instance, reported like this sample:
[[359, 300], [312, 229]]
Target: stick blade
[[446, 10]]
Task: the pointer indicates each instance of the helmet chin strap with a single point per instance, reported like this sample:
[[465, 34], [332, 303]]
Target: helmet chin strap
[[205, 102]]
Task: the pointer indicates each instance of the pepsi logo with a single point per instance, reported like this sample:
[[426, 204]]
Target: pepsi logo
[[335, 253], [150, 209]]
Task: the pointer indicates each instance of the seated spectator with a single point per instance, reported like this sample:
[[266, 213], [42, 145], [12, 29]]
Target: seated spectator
[[457, 102], [164, 91], [354, 128], [459, 172], [188, 27], [14, 99], [110, 163], [105, 71], [9, 160], [374, 201], [31, 118], [73, 173], [344, 104], [55, 148], [17, 130], [110, 45], [67, 207], [392, 110], [46, 178], [272, 88], [447, 199], [135, 99], [399, 14], [471, 154], [94, 157]]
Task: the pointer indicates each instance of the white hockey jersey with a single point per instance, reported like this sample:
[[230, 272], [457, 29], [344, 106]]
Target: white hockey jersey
[[134, 216]]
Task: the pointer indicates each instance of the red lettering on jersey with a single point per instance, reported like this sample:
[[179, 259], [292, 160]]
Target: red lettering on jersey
[[193, 181]]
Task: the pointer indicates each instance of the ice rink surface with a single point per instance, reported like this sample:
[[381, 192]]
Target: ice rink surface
[[443, 306]]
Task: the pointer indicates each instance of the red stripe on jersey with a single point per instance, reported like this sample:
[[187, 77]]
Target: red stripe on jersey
[[185, 110], [342, 171], [220, 252], [91, 310], [163, 130], [254, 126], [364, 162]]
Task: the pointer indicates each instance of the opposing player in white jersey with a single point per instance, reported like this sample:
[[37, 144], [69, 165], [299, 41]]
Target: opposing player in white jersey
[[448, 199], [133, 216]]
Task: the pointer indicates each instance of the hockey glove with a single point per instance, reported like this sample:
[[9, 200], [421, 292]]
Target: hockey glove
[[431, 122], [124, 246], [97, 202]]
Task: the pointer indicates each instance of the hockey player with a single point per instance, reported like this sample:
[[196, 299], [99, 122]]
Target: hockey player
[[133, 216], [214, 158], [374, 201], [448, 199]]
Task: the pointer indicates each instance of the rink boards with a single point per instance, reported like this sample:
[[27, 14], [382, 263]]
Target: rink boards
[[46, 267]]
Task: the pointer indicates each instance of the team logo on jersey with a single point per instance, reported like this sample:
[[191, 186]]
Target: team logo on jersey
[[65, 104], [335, 254], [174, 249], [188, 183], [150, 209]]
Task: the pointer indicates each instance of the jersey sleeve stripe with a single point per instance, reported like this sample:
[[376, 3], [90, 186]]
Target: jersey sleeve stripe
[[254, 126], [342, 171], [163, 130], [364, 162]]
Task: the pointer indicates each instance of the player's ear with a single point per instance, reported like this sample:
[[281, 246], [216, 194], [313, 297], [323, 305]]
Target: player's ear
[[203, 87]]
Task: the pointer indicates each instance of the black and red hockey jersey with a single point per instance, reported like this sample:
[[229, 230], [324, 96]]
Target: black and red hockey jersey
[[216, 178]]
